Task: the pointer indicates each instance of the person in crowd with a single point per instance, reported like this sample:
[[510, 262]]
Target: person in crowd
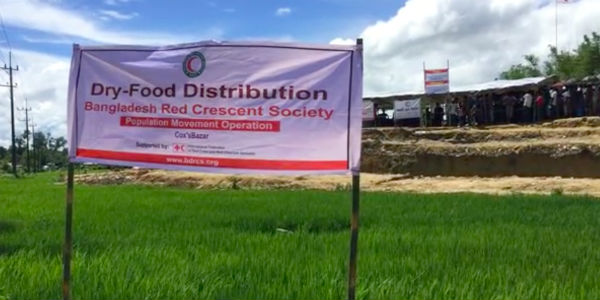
[[547, 109], [509, 106], [453, 112], [475, 114], [471, 99], [596, 100], [553, 104], [560, 104], [566, 96], [461, 114], [481, 110], [578, 104], [427, 114], [587, 99], [380, 117], [492, 108], [539, 108], [527, 107], [438, 114]]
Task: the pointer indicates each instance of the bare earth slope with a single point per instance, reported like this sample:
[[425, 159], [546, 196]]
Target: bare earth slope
[[566, 148], [556, 157], [369, 182]]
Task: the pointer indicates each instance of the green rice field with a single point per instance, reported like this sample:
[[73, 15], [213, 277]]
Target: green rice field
[[145, 242]]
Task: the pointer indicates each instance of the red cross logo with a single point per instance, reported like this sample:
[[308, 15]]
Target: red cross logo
[[178, 148]]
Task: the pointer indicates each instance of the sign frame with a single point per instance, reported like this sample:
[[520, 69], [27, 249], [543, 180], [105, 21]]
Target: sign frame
[[353, 130], [354, 192]]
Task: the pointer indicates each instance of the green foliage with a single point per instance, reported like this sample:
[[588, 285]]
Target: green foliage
[[530, 69], [3, 152], [575, 64], [46, 152], [137, 242]]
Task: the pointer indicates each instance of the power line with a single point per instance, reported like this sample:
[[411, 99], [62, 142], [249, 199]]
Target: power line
[[26, 109], [2, 58], [11, 86], [5, 37], [4, 30], [33, 146], [21, 80], [4, 62]]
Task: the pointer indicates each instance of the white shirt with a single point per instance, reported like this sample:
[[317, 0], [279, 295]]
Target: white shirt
[[527, 100], [554, 96], [452, 108]]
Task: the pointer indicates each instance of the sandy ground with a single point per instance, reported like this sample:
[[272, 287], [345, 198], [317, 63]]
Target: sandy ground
[[369, 182], [555, 139]]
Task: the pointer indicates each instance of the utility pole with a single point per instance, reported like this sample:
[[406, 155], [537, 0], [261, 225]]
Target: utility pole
[[33, 125], [11, 86], [26, 109]]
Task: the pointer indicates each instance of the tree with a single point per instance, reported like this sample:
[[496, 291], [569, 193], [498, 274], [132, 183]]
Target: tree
[[529, 69], [588, 56], [48, 151], [3, 153], [573, 64]]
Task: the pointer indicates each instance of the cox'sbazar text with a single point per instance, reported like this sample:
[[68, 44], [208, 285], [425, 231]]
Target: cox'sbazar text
[[203, 110]]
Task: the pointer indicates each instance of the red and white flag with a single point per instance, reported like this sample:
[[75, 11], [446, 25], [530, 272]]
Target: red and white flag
[[437, 81]]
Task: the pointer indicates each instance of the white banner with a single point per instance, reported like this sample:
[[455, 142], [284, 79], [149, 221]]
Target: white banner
[[407, 109], [368, 112], [218, 107]]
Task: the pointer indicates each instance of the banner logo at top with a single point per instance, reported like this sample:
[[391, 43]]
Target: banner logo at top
[[194, 64]]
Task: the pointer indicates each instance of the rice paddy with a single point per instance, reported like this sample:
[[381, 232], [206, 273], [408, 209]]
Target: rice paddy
[[148, 242]]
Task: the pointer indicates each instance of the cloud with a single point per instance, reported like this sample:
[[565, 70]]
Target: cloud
[[285, 38], [115, 2], [283, 11], [113, 14], [229, 10], [45, 17], [479, 38], [37, 40], [42, 77], [341, 41], [43, 80]]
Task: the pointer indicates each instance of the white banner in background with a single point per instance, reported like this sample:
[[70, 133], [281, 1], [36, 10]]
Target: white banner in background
[[368, 112], [407, 109], [218, 107]]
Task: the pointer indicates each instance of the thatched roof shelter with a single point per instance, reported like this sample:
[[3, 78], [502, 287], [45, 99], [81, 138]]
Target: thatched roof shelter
[[491, 87]]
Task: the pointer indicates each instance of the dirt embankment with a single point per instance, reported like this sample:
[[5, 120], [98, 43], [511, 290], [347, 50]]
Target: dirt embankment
[[369, 182], [556, 157], [567, 148]]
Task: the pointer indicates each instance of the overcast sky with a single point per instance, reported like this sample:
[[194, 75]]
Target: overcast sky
[[479, 38]]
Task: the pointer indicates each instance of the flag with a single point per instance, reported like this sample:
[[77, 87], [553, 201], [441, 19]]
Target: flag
[[437, 81]]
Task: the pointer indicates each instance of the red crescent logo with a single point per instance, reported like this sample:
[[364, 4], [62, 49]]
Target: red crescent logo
[[188, 64]]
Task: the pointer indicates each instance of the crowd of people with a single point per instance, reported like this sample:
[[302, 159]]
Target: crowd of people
[[515, 107]]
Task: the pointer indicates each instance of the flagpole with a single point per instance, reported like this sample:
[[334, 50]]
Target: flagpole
[[556, 25]]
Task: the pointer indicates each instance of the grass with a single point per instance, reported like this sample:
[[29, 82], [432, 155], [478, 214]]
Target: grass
[[167, 243]]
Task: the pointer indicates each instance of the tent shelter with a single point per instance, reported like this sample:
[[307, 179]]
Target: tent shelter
[[496, 87]]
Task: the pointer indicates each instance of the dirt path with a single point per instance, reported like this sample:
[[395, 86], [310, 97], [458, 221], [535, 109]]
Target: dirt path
[[369, 182]]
